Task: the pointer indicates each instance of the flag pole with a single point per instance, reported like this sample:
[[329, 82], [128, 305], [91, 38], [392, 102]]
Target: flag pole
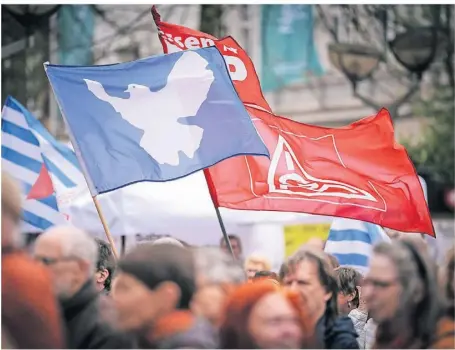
[[211, 187], [106, 227], [86, 175]]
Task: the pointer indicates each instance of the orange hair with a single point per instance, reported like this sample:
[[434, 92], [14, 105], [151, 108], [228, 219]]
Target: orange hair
[[30, 311], [240, 302]]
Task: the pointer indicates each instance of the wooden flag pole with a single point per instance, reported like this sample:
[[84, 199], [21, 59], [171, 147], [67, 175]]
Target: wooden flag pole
[[209, 181], [106, 228], [86, 175]]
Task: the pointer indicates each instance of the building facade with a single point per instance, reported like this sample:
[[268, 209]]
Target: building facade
[[126, 32]]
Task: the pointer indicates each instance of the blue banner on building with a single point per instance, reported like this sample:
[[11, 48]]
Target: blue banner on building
[[76, 24], [288, 49]]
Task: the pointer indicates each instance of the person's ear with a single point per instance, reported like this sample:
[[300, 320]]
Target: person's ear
[[102, 276], [327, 296], [351, 296], [169, 294]]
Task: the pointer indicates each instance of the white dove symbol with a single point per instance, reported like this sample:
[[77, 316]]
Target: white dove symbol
[[157, 113]]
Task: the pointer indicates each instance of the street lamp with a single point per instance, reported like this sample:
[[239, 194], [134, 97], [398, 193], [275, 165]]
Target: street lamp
[[416, 49], [357, 62]]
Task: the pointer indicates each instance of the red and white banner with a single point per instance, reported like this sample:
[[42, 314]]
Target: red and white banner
[[356, 172], [176, 38]]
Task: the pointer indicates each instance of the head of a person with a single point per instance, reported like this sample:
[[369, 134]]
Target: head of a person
[[236, 245], [401, 292], [105, 266], [310, 274], [349, 283], [263, 316], [152, 281], [11, 213], [168, 240], [266, 276], [216, 273], [393, 234], [416, 240], [316, 243], [333, 261], [255, 263], [284, 270], [70, 255]]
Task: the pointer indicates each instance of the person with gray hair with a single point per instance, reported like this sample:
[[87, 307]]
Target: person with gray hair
[[167, 240], [71, 256], [216, 273], [402, 296]]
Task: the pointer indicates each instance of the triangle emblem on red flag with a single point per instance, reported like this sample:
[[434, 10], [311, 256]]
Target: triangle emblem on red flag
[[43, 186], [296, 181]]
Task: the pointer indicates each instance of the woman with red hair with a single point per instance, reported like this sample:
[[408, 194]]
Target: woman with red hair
[[263, 316]]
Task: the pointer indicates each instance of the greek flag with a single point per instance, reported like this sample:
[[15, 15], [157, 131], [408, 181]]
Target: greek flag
[[29, 152], [351, 242]]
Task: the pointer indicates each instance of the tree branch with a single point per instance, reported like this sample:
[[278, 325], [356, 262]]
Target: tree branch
[[325, 22]]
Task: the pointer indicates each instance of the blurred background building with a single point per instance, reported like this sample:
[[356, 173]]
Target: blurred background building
[[327, 65]]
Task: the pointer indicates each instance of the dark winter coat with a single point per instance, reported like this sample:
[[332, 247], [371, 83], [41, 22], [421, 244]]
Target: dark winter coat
[[339, 335], [84, 326]]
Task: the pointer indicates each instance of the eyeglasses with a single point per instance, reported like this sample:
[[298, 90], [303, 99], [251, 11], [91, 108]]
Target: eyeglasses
[[52, 261], [378, 284]]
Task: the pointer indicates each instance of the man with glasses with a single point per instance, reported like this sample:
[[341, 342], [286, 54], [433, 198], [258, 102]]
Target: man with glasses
[[71, 256]]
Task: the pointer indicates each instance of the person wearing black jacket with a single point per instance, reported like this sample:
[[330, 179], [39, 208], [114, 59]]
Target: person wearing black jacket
[[309, 272], [71, 256]]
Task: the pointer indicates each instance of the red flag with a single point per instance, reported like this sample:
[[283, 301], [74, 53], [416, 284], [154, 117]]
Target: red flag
[[176, 38], [43, 186], [357, 172]]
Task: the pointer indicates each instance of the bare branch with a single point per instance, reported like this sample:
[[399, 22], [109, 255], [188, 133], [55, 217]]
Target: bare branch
[[325, 22], [102, 14]]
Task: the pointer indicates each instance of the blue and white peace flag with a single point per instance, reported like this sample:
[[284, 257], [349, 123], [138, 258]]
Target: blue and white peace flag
[[30, 151], [155, 119], [352, 241]]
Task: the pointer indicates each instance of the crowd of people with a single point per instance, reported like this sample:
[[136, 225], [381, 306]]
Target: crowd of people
[[68, 291]]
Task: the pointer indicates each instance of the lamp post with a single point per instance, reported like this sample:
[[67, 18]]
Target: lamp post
[[357, 62], [414, 49]]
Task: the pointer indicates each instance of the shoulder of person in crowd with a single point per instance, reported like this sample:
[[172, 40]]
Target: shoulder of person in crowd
[[445, 334], [182, 330], [341, 335]]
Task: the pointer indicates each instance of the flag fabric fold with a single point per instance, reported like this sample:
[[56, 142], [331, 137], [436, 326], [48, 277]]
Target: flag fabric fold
[[155, 119], [176, 38], [44, 167], [356, 172], [352, 241]]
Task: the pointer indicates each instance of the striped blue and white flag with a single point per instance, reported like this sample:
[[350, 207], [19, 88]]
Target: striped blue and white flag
[[26, 147], [351, 242]]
